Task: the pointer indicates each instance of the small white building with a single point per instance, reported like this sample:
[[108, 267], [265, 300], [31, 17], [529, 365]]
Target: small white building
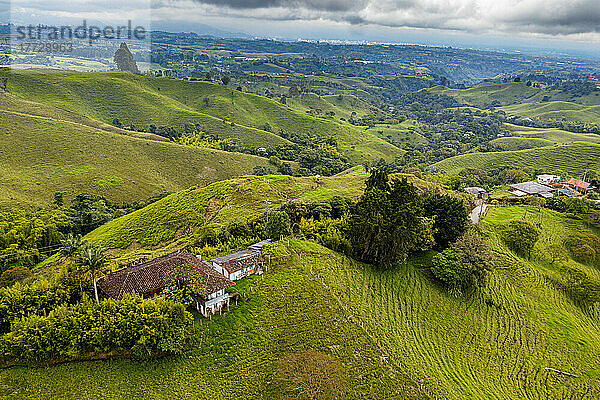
[[548, 179], [240, 264]]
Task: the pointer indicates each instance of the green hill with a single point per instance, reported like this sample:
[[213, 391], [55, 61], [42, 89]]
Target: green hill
[[553, 135], [286, 313], [572, 159], [397, 332], [342, 106], [40, 156], [512, 93], [520, 143], [485, 94], [558, 110], [401, 135], [516, 98], [142, 101]]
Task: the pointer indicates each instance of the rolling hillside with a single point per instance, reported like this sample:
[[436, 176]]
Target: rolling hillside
[[287, 313], [40, 156], [521, 100], [159, 225], [514, 93], [399, 334], [553, 135], [141, 101], [556, 110], [571, 159]]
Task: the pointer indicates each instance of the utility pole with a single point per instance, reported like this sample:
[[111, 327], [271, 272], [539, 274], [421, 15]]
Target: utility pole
[[268, 202]]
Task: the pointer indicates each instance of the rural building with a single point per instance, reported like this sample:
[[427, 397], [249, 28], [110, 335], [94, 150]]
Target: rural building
[[476, 191], [148, 279], [238, 265], [531, 189], [579, 186], [547, 179]]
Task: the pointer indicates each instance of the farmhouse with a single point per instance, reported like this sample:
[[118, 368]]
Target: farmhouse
[[579, 186], [148, 279], [530, 189], [242, 263], [547, 179]]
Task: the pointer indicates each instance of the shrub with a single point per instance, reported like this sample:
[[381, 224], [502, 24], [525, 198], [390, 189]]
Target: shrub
[[465, 265], [584, 248], [14, 275], [520, 236], [312, 375], [19, 301], [278, 225], [451, 217], [582, 288], [132, 326]]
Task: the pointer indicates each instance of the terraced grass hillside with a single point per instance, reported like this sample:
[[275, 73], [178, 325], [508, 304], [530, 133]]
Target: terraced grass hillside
[[558, 110], [141, 101], [571, 159], [552, 135], [511, 93], [497, 344], [177, 220], [40, 156], [288, 312], [398, 333]]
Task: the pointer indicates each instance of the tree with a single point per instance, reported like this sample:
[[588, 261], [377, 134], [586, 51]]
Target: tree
[[71, 244], [520, 236], [278, 225], [225, 80], [294, 91], [93, 259], [124, 59], [465, 265], [450, 216], [378, 179], [384, 226], [59, 199], [14, 275], [312, 375], [184, 283]]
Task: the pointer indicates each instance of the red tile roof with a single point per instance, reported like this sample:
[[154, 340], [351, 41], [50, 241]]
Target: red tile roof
[[578, 183], [149, 277]]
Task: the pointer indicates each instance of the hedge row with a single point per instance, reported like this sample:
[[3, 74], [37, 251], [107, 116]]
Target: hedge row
[[134, 327]]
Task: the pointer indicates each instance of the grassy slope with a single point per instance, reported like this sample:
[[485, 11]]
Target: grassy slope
[[553, 135], [173, 222], [405, 134], [289, 311], [39, 157], [556, 110], [458, 348], [342, 108], [142, 101], [467, 348], [104, 97], [526, 101], [520, 143], [572, 159]]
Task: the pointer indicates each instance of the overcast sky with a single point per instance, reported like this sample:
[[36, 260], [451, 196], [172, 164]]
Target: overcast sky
[[562, 23]]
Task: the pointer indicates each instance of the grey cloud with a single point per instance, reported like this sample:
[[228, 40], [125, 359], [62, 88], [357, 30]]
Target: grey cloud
[[553, 17], [317, 5]]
